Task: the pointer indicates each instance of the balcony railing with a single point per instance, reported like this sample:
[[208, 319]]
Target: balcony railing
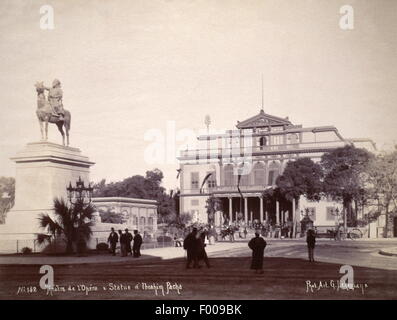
[[226, 189], [237, 151]]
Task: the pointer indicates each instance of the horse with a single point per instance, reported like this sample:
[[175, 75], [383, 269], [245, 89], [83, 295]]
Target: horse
[[45, 115]]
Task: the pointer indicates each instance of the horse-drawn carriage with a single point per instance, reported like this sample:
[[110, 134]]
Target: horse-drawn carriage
[[229, 232]]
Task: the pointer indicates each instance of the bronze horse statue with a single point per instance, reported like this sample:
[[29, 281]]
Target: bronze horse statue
[[45, 115]]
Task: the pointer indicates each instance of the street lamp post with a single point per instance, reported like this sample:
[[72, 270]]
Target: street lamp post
[[79, 194], [306, 222]]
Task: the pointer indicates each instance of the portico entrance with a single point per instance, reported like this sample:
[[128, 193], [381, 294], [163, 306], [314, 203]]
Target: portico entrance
[[253, 208]]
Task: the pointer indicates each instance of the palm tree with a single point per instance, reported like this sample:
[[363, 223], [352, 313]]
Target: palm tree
[[73, 223]]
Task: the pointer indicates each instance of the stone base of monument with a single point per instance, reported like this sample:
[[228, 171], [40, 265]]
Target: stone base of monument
[[43, 172]]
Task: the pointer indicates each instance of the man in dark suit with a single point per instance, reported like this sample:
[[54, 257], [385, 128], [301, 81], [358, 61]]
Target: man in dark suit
[[136, 248], [311, 243], [128, 241], [191, 245], [113, 239], [257, 245]]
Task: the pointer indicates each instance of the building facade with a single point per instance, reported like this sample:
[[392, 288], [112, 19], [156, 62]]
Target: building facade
[[256, 153], [139, 214]]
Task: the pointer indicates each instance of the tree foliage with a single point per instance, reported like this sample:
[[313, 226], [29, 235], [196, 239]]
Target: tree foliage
[[345, 170], [180, 221], [109, 216], [141, 187], [301, 177], [73, 224], [7, 196], [382, 182], [213, 204]]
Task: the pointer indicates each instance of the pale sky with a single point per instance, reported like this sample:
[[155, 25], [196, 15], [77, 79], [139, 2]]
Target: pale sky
[[130, 66]]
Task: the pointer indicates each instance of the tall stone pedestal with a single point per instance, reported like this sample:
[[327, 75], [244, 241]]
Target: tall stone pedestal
[[43, 171]]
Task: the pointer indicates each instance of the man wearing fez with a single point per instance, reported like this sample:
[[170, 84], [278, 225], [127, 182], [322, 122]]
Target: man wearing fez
[[257, 245], [136, 248], [113, 239], [128, 241]]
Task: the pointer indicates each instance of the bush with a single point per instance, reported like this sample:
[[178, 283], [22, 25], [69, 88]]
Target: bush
[[26, 250], [164, 239], [102, 246]]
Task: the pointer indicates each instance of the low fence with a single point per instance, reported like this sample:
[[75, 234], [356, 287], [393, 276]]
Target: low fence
[[10, 246], [145, 244], [18, 245]]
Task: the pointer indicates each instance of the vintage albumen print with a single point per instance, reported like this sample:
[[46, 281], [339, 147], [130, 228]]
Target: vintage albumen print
[[197, 149]]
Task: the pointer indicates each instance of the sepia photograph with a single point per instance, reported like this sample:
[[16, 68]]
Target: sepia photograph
[[191, 150]]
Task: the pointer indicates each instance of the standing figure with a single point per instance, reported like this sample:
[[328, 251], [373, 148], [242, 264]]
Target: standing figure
[[123, 243], [257, 245], [311, 243], [113, 239], [128, 242], [137, 244], [202, 254], [190, 244], [55, 95], [177, 242]]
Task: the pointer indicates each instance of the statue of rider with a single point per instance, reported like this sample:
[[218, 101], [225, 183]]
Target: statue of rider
[[55, 99]]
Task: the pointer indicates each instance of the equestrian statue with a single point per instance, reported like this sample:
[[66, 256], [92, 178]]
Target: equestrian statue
[[51, 110]]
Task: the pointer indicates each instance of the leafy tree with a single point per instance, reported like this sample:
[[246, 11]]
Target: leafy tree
[[148, 187], [213, 204], [301, 177], [382, 184], [180, 221], [73, 224], [345, 169], [7, 196]]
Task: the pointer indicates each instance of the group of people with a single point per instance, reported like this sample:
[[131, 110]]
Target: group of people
[[125, 238], [194, 244]]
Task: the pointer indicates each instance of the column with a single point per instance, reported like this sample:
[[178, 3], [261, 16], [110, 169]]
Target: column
[[293, 211], [139, 220], [246, 209], [293, 218], [220, 182], [261, 209], [230, 209], [277, 213]]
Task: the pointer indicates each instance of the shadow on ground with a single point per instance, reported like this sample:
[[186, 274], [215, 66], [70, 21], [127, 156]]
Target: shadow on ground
[[228, 278]]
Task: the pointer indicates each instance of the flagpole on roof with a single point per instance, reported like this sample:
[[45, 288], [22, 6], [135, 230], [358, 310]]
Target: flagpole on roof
[[262, 94]]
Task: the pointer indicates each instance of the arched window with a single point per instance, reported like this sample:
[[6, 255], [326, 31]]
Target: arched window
[[245, 175], [135, 219], [143, 221], [229, 176], [274, 172], [150, 221], [259, 174]]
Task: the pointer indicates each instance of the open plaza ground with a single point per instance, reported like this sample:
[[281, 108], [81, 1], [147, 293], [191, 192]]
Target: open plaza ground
[[161, 274]]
